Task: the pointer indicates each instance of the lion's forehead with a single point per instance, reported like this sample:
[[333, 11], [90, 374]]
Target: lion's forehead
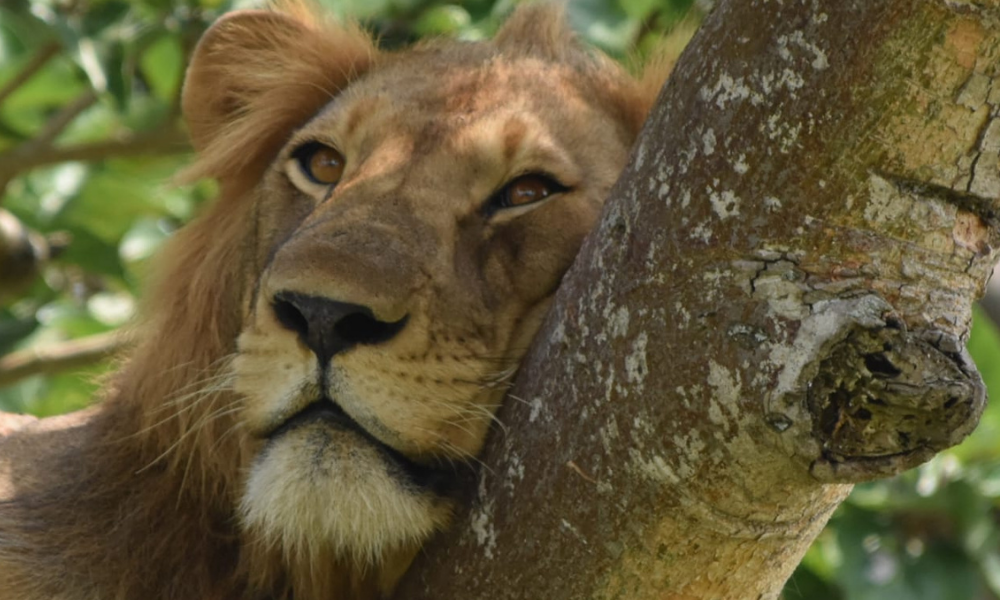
[[468, 82], [457, 106]]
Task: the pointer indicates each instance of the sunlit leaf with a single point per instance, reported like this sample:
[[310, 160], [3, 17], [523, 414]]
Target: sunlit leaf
[[604, 24], [111, 308], [162, 68], [447, 19], [55, 85], [108, 203]]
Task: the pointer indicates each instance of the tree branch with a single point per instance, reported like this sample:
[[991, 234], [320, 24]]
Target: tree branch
[[169, 139], [37, 62], [57, 124], [49, 360], [764, 314], [166, 140]]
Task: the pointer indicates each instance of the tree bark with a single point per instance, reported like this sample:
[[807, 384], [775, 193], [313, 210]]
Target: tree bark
[[773, 307]]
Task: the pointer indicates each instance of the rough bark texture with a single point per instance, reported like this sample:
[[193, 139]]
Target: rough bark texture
[[772, 307]]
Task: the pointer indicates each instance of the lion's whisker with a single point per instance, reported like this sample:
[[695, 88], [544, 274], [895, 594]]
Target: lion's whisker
[[207, 418]]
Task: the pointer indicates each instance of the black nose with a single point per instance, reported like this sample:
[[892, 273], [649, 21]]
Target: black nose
[[328, 327]]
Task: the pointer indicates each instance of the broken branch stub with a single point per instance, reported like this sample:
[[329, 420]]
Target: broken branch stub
[[886, 400], [874, 399]]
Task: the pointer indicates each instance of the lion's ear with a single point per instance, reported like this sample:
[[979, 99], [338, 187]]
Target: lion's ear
[[538, 29], [543, 30], [256, 75]]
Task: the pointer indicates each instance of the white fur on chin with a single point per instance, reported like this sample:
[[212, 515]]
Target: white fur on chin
[[317, 489]]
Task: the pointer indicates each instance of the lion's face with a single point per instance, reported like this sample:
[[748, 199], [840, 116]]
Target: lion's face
[[408, 236]]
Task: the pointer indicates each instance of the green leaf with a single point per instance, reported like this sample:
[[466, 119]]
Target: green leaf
[[446, 19], [604, 24], [117, 75], [108, 204], [47, 396], [142, 240], [140, 244], [21, 34], [103, 16], [641, 9], [43, 193], [357, 9], [64, 319], [162, 67], [14, 329], [28, 108], [984, 346], [92, 254]]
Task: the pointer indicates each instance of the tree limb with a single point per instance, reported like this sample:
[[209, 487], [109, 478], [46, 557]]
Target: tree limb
[[49, 360], [166, 140], [169, 139], [770, 309]]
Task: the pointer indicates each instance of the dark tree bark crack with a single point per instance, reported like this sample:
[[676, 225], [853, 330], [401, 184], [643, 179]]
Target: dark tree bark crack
[[980, 206]]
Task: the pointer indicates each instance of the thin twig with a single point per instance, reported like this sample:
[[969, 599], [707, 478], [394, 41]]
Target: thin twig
[[39, 60], [44, 138], [47, 360], [57, 124]]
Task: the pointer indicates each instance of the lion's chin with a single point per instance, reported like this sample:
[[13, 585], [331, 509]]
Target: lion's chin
[[409, 472], [320, 487]]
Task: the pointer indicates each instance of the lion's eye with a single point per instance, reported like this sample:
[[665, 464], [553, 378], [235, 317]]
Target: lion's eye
[[525, 190], [320, 163]]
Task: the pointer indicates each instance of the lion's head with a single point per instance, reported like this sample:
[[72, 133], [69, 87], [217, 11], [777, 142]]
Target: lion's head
[[392, 226]]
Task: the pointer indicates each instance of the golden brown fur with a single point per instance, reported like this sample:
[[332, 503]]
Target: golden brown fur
[[192, 479]]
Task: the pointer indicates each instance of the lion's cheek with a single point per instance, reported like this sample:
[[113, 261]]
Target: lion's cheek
[[318, 485], [274, 375]]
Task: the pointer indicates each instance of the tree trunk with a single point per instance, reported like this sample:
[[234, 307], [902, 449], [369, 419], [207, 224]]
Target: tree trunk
[[772, 307]]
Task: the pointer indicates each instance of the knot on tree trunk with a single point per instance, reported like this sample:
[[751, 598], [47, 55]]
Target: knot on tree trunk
[[886, 400], [861, 397], [875, 399]]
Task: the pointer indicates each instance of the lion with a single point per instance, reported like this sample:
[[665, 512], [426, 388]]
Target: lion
[[325, 347]]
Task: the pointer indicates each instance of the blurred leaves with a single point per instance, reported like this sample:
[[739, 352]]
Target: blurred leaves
[[97, 82], [930, 534]]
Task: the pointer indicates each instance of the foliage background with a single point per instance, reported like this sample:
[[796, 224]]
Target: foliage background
[[90, 135]]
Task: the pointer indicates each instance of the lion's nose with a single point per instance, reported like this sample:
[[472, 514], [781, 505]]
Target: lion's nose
[[327, 326]]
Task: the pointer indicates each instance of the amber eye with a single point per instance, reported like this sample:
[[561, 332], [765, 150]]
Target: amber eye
[[320, 163], [525, 190]]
